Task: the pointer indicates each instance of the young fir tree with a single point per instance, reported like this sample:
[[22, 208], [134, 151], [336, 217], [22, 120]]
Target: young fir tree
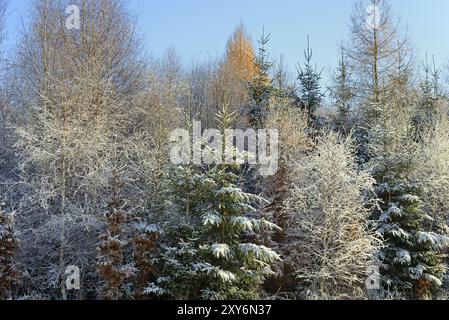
[[208, 252], [342, 92], [111, 266], [261, 86], [309, 84], [9, 272], [411, 261]]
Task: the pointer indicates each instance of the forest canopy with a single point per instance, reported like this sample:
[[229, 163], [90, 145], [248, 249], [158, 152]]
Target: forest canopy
[[285, 186]]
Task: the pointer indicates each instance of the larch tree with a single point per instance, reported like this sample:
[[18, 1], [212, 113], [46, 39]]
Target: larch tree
[[376, 39], [240, 55], [77, 89], [235, 72], [330, 240]]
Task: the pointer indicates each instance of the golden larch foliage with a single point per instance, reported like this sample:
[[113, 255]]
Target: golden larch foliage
[[235, 71], [240, 55]]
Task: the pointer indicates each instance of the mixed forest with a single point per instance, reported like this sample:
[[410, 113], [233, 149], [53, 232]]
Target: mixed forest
[[358, 208]]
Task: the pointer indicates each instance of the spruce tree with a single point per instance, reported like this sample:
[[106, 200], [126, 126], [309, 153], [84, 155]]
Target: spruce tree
[[309, 84], [261, 86], [411, 260], [342, 92], [209, 249]]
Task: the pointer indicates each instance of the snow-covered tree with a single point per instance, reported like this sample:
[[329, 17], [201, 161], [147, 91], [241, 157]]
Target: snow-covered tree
[[210, 248], [330, 242], [10, 274], [292, 125], [433, 171], [294, 143], [76, 103], [205, 255], [411, 261], [6, 112]]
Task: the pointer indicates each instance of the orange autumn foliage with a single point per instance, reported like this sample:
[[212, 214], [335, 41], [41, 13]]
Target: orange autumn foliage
[[240, 55], [235, 72]]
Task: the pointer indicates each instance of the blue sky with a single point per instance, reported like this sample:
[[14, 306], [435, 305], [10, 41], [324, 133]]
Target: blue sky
[[200, 28]]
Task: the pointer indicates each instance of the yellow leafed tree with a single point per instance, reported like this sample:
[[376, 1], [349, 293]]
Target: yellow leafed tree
[[240, 55], [236, 70]]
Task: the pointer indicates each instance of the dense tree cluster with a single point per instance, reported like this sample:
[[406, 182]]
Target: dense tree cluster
[[86, 179]]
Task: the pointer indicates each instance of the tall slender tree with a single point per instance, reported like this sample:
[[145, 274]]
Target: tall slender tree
[[309, 84], [342, 92], [235, 72], [429, 95], [261, 85], [330, 241], [376, 39]]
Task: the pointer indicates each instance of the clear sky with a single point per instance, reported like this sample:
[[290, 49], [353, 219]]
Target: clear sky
[[200, 28]]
